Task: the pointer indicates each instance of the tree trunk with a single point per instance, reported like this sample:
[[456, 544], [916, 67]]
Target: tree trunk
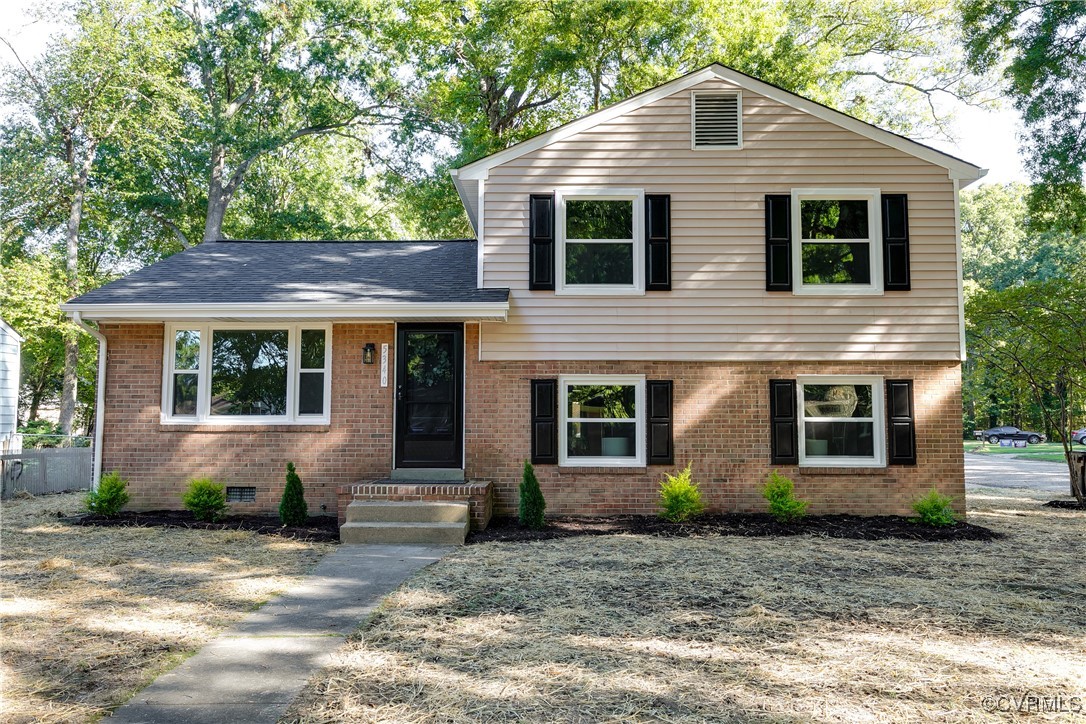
[[71, 265], [217, 196]]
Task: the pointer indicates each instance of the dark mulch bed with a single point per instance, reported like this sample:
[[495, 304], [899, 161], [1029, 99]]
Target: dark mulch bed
[[743, 524], [324, 528], [1064, 505]]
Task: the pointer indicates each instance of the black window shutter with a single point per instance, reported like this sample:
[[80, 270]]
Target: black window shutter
[[895, 243], [783, 422], [778, 243], [545, 422], [901, 422], [657, 243], [541, 241], [661, 446]]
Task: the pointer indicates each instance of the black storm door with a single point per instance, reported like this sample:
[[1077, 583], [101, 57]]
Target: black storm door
[[429, 389]]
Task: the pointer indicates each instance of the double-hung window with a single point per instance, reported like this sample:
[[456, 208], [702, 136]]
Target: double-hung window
[[601, 420], [838, 247], [600, 241], [253, 374], [842, 422]]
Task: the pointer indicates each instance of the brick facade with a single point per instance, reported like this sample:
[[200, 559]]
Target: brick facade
[[158, 459], [720, 422], [721, 425]]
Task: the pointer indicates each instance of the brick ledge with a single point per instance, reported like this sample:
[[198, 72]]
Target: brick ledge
[[244, 428], [852, 472]]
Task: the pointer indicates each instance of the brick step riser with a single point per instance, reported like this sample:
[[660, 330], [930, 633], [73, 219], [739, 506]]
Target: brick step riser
[[409, 512]]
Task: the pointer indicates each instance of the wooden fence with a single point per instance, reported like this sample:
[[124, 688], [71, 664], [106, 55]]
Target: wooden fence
[[46, 470]]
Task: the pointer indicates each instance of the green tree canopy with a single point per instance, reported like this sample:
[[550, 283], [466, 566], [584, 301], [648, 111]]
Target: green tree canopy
[[258, 80], [1041, 48], [488, 74]]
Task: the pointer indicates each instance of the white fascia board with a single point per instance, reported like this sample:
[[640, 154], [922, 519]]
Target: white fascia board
[[957, 169], [467, 311], [465, 188], [11, 331]]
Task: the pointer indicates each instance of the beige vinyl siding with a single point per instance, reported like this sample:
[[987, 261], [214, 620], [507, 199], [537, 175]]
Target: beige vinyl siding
[[718, 308]]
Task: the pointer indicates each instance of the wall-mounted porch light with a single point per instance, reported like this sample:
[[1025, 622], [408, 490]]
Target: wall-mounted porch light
[[369, 353]]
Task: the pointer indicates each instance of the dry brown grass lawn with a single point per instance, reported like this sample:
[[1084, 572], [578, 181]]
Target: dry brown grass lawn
[[630, 628], [90, 615]]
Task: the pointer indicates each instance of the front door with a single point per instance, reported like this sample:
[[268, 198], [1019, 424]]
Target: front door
[[429, 388]]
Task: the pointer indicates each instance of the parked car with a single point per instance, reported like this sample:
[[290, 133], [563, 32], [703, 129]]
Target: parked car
[[1079, 436], [995, 434]]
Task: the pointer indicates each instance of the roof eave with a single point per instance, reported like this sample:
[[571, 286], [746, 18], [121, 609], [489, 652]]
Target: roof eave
[[334, 311]]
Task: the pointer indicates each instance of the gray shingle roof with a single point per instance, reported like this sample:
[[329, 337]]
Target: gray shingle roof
[[239, 272]]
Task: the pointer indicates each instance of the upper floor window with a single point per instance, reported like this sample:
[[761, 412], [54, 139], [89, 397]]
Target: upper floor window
[[256, 373], [839, 246], [598, 252]]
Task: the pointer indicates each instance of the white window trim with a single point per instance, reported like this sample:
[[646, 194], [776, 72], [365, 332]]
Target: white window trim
[[874, 207], [637, 197], [693, 120], [878, 419], [564, 383], [203, 414]]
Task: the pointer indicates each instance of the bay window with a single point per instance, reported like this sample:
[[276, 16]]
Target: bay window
[[252, 373]]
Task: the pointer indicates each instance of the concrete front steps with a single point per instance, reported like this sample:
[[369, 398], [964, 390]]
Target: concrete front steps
[[407, 522]]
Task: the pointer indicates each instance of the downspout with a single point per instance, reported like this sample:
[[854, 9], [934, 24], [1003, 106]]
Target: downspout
[[100, 396]]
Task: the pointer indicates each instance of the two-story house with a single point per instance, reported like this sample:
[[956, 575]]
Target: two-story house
[[715, 271]]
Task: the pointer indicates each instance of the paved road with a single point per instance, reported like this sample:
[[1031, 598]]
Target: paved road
[[1003, 471]]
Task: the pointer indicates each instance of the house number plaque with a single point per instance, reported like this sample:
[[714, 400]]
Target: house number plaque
[[384, 365]]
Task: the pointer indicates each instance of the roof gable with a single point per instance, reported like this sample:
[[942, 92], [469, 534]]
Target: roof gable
[[467, 176]]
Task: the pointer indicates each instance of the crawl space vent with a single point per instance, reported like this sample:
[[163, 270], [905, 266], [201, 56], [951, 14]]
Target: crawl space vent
[[716, 120], [240, 494]]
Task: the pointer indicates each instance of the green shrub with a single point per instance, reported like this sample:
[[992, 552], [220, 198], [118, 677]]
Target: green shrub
[[680, 498], [783, 504], [110, 496], [206, 499], [935, 509], [292, 507], [532, 504], [41, 433]]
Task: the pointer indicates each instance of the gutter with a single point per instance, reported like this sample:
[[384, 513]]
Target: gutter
[[100, 396], [332, 311]]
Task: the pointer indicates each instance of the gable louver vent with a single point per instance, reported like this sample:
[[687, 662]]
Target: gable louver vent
[[717, 123]]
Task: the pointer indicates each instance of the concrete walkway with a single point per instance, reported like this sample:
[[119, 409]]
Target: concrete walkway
[[253, 671]]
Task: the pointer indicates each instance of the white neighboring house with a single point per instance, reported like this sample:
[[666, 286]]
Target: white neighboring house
[[10, 348]]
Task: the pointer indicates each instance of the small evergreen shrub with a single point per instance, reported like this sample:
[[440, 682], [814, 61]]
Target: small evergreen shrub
[[292, 507], [110, 496], [532, 504], [206, 499], [935, 509], [783, 504], [680, 498]]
